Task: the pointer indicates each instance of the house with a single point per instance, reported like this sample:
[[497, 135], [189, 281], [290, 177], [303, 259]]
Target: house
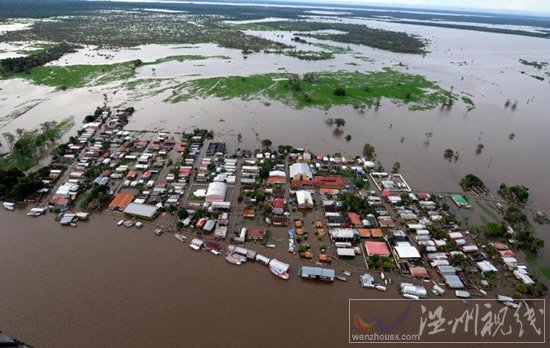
[[377, 248], [305, 200], [300, 172], [354, 219], [276, 177], [121, 201], [255, 234]]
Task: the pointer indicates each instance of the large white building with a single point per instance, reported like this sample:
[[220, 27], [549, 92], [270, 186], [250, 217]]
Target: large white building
[[300, 171], [216, 192]]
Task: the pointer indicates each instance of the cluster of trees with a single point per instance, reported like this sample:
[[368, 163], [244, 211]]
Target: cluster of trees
[[353, 203], [377, 262], [470, 181], [517, 193], [369, 151], [22, 64], [15, 185]]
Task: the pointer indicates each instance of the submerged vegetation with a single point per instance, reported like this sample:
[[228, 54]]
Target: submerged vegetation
[[322, 90], [27, 146], [138, 28], [349, 33], [73, 76], [38, 58]]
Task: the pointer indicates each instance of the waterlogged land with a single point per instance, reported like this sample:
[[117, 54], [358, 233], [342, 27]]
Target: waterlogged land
[[322, 90], [73, 76], [348, 33]]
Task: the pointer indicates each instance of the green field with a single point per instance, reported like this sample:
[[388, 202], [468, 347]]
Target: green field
[[318, 91]]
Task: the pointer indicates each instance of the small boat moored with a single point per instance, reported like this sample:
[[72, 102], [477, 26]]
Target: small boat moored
[[341, 278], [158, 231], [180, 237], [233, 260], [120, 222], [9, 206], [196, 244]]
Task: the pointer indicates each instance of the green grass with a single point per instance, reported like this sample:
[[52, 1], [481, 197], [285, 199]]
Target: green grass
[[74, 76], [360, 89]]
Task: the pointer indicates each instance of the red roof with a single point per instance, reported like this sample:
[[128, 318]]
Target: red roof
[[329, 182], [377, 248], [500, 246], [276, 180], [278, 203], [354, 218], [255, 233]]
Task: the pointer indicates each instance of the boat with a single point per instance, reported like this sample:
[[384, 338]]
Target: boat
[[120, 222], [233, 260], [9, 206], [139, 224], [279, 273], [411, 297], [196, 244], [271, 246], [342, 278], [215, 252], [280, 269], [180, 237], [511, 304], [347, 273], [462, 294], [380, 287], [128, 223], [158, 232]]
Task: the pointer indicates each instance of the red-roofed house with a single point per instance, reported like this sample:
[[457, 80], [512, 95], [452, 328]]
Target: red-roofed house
[[377, 248], [355, 219]]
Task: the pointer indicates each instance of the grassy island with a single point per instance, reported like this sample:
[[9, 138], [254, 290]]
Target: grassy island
[[322, 90]]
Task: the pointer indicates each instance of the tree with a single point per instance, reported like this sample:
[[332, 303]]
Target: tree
[[470, 181], [339, 122], [448, 154], [495, 229], [396, 167], [340, 92], [266, 144], [183, 214], [479, 148], [348, 137], [10, 138], [369, 151]]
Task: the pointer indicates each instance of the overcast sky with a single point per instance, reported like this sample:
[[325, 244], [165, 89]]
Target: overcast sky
[[533, 6]]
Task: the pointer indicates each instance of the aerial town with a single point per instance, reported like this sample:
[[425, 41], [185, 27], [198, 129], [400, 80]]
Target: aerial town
[[340, 218]]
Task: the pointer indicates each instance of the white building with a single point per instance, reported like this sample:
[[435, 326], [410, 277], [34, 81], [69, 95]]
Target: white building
[[300, 171], [216, 192], [305, 200]]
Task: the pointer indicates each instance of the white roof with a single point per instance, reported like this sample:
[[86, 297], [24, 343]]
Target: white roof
[[407, 252], [142, 210], [216, 190], [300, 168], [345, 252], [486, 266], [277, 173], [343, 232], [304, 197]]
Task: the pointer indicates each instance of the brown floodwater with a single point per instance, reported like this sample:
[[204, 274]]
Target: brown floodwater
[[103, 285]]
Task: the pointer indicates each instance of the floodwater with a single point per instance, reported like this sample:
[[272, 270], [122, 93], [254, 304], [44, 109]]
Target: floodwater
[[103, 285], [112, 286]]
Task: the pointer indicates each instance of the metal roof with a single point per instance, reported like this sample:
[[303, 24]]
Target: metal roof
[[141, 210]]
